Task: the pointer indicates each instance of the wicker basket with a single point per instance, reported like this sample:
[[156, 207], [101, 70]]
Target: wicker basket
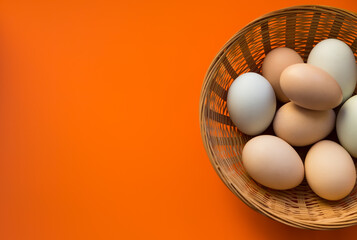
[[299, 28]]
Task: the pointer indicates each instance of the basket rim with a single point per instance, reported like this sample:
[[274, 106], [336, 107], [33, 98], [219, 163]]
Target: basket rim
[[288, 220]]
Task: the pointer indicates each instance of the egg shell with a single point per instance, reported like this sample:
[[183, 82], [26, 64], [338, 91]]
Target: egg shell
[[273, 65], [346, 126], [300, 126], [251, 103], [329, 170], [337, 59], [310, 87], [272, 162]]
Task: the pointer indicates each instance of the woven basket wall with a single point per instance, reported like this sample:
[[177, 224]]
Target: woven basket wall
[[299, 28]]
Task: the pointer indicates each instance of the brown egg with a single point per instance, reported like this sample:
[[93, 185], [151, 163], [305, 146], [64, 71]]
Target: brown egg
[[272, 162], [300, 126], [330, 171], [274, 64], [310, 87]]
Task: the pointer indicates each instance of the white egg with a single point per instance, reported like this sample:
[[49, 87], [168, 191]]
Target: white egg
[[346, 125], [337, 59], [251, 103]]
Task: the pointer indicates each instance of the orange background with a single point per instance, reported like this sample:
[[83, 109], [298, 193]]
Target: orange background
[[99, 132]]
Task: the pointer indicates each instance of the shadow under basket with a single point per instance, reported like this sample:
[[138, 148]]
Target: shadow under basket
[[299, 28]]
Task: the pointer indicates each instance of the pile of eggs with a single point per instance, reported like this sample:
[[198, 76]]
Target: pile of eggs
[[316, 97]]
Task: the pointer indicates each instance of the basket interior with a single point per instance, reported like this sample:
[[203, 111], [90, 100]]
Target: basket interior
[[299, 28]]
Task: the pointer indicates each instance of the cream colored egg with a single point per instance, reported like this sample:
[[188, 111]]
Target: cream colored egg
[[300, 127], [272, 162], [310, 87], [330, 171], [336, 58]]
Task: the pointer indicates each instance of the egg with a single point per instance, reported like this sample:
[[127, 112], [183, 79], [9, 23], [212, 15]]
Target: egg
[[300, 126], [330, 171], [337, 59], [251, 103], [272, 162], [310, 87], [273, 65], [346, 126]]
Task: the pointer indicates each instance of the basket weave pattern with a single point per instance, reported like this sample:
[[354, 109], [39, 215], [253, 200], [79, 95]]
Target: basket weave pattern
[[299, 28]]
